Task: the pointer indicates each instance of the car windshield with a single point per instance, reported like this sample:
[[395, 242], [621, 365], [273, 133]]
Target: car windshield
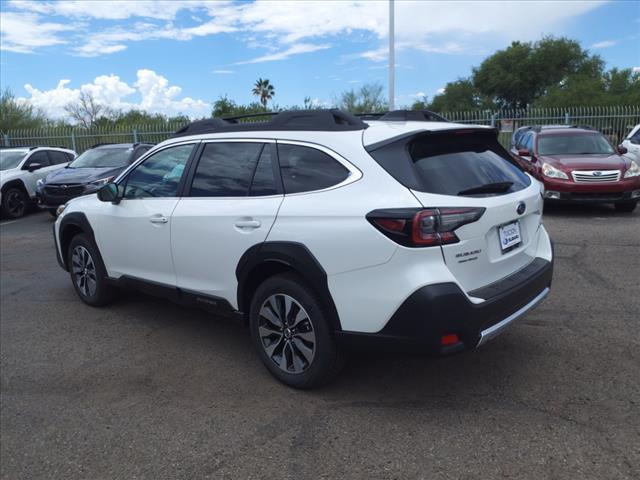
[[11, 158], [102, 157], [574, 144]]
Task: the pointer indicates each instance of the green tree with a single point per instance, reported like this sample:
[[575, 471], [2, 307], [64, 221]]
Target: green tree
[[225, 107], [18, 115], [367, 99], [264, 90], [459, 95], [525, 71]]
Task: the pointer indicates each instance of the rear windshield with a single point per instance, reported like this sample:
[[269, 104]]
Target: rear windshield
[[454, 163], [574, 144], [11, 158], [103, 157]]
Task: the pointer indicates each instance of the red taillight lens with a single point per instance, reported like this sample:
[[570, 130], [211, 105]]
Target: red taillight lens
[[423, 228]]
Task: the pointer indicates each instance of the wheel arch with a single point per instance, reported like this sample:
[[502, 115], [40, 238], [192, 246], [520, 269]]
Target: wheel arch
[[71, 225], [271, 258], [16, 183]]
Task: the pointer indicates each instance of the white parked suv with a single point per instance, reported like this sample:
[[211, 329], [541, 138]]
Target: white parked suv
[[632, 143], [20, 170], [322, 231]]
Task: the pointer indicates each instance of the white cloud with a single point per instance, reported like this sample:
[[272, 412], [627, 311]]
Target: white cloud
[[284, 54], [604, 44], [224, 72], [23, 32], [431, 26], [440, 91], [153, 90], [636, 69]]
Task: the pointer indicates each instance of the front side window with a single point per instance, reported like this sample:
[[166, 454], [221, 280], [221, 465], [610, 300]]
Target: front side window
[[305, 169], [635, 138], [574, 144], [227, 169], [40, 158], [11, 158], [103, 157], [159, 175]]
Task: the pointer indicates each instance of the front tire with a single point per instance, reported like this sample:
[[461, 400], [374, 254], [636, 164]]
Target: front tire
[[291, 330], [626, 207], [14, 203], [88, 274]]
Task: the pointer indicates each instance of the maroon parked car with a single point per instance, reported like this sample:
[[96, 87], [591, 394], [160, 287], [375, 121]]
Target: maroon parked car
[[578, 164]]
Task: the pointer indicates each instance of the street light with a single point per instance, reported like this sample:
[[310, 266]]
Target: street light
[[392, 57]]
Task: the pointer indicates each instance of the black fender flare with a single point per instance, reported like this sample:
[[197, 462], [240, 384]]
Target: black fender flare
[[292, 256], [74, 221]]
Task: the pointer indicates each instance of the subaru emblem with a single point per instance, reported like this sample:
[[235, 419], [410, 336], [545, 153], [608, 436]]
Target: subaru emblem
[[521, 208]]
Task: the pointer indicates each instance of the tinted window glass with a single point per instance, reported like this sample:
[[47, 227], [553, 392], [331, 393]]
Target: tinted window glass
[[635, 138], [573, 144], [159, 175], [139, 152], [528, 142], [103, 157], [57, 157], [306, 169], [38, 157], [264, 182], [226, 169], [450, 164]]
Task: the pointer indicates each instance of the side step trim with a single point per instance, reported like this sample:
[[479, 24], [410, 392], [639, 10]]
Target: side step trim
[[496, 329]]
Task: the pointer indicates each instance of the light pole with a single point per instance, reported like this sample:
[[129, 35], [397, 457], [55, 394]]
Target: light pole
[[392, 57]]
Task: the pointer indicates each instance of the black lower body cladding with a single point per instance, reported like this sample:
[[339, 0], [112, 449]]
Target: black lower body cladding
[[434, 311]]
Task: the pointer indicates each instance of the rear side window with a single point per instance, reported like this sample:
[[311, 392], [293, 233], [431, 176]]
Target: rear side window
[[226, 169], [452, 163], [57, 157], [305, 169]]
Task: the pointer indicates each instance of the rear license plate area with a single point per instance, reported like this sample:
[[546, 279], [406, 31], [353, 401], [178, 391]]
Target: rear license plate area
[[509, 236]]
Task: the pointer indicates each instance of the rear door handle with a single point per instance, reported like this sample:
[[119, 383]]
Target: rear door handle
[[159, 219], [248, 224]]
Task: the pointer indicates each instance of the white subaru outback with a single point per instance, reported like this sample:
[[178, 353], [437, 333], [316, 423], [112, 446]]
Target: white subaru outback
[[321, 231]]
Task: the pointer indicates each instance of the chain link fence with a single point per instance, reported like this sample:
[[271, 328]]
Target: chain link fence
[[615, 122]]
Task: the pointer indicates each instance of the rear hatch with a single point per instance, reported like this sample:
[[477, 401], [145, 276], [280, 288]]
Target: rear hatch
[[467, 168]]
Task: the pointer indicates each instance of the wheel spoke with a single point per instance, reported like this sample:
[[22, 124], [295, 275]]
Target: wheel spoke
[[301, 315], [306, 336], [268, 314], [298, 364], [303, 349], [91, 285], [270, 349], [283, 358], [266, 331]]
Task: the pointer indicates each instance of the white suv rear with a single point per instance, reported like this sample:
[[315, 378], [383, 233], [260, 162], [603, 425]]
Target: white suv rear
[[322, 231]]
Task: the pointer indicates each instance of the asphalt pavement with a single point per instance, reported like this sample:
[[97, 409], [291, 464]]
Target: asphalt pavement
[[146, 389]]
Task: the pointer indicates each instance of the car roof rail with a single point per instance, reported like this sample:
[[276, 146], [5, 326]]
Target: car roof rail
[[403, 116], [331, 120]]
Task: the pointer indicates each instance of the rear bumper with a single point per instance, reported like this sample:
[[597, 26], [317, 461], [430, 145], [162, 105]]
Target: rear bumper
[[442, 309]]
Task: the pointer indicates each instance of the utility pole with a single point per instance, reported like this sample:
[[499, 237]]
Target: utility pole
[[392, 57]]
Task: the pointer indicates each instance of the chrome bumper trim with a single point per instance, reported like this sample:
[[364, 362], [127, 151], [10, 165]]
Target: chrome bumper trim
[[496, 329]]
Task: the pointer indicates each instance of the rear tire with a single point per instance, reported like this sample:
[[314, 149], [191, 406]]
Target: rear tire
[[88, 274], [291, 330], [626, 207], [14, 203]]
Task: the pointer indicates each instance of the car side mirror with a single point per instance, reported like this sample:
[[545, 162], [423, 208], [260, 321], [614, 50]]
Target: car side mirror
[[32, 167], [622, 150], [109, 193], [524, 152]]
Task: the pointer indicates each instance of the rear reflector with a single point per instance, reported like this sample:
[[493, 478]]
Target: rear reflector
[[450, 339], [423, 228]]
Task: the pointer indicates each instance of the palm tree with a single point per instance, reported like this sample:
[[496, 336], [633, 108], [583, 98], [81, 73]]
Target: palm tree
[[264, 90]]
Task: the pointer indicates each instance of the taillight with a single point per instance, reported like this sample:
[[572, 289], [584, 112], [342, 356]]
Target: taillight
[[423, 228]]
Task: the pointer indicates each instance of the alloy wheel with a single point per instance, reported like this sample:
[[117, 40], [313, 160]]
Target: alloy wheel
[[286, 333], [84, 271], [16, 203]]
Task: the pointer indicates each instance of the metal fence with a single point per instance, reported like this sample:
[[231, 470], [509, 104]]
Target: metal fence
[[614, 121]]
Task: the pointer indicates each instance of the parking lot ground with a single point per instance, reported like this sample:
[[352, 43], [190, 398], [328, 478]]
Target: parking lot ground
[[149, 389]]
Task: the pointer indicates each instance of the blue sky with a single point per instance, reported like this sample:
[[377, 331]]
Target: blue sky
[[178, 57]]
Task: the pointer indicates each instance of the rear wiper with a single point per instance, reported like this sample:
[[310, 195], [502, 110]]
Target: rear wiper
[[497, 187]]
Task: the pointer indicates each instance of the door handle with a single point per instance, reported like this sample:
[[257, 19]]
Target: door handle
[[159, 219], [248, 224]]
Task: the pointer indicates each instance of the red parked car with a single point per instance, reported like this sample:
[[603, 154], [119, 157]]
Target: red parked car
[[578, 164]]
